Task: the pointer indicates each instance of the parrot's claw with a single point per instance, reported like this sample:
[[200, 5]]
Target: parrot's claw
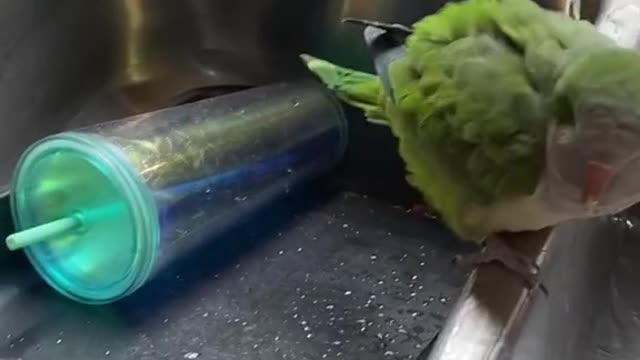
[[380, 25], [496, 250], [424, 210]]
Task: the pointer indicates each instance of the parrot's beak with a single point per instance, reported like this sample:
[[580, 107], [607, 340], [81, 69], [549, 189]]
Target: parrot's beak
[[596, 181]]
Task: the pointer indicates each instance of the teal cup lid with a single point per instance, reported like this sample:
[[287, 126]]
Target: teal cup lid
[[84, 217]]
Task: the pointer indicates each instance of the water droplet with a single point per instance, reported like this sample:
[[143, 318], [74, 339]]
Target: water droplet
[[324, 356], [191, 355], [330, 307], [345, 226], [281, 252], [443, 300], [337, 343], [422, 263], [107, 353], [205, 314], [309, 335], [244, 323], [165, 320], [380, 307], [373, 257], [59, 341], [348, 292], [255, 346], [295, 316], [420, 287], [380, 282], [289, 171], [414, 278], [389, 353], [277, 338], [413, 294], [299, 249]]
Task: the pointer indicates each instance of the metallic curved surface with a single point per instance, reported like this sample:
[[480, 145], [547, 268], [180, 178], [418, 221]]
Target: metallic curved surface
[[70, 63]]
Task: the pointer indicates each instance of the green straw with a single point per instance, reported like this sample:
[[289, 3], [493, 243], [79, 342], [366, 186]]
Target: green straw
[[43, 232]]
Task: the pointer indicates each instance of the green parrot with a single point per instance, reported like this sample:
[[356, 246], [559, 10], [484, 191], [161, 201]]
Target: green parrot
[[509, 117]]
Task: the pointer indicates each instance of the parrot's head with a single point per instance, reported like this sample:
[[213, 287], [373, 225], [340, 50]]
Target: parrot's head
[[594, 145]]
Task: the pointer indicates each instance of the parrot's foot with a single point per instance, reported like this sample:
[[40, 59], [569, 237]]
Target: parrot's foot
[[380, 25], [496, 250], [424, 210]]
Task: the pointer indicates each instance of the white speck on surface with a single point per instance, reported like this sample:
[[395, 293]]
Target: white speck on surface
[[345, 225], [59, 341], [277, 338], [330, 307], [443, 300], [373, 257], [205, 314], [107, 353], [191, 355], [281, 252], [309, 336], [389, 353], [337, 343], [299, 249], [165, 320], [422, 263], [414, 278], [413, 294], [348, 292], [307, 329]]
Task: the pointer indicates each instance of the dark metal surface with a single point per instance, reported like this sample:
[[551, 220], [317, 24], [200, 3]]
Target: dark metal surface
[[316, 278]]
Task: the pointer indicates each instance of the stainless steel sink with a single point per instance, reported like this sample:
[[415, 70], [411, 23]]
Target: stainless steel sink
[[65, 64], [590, 268]]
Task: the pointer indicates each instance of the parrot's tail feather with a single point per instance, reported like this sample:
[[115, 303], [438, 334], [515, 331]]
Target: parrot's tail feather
[[356, 88]]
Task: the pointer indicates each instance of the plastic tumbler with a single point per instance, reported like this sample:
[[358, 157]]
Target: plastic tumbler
[[100, 210]]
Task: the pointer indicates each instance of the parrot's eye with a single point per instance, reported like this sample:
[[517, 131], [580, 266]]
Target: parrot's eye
[[565, 135]]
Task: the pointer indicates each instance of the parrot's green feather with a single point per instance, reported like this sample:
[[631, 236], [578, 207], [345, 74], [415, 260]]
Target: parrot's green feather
[[356, 88], [474, 98]]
